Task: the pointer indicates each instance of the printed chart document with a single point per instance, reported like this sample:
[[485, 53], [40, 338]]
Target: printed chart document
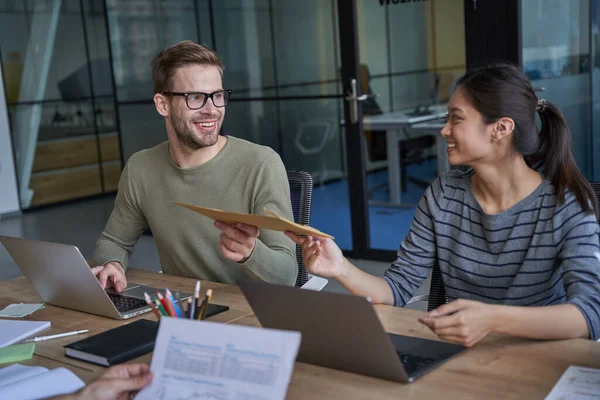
[[577, 383], [272, 221], [201, 360]]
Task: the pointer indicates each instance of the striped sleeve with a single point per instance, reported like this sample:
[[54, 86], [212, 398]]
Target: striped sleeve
[[581, 268], [416, 255]]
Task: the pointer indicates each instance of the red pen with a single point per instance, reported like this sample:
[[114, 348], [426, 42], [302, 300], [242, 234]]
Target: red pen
[[166, 304]]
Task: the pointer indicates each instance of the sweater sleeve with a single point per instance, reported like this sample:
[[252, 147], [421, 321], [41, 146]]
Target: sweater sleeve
[[125, 225], [417, 253], [273, 259], [581, 267]]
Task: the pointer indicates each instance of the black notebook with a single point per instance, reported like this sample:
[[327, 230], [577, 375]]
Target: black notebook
[[212, 309], [117, 345]]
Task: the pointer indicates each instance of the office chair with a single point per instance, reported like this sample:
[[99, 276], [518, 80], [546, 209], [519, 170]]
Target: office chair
[[412, 150], [375, 140], [301, 186], [596, 189]]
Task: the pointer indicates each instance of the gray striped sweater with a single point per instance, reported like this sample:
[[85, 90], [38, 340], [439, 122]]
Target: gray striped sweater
[[537, 253]]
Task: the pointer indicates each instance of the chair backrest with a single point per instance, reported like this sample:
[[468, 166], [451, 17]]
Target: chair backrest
[[437, 291], [596, 189], [301, 186]]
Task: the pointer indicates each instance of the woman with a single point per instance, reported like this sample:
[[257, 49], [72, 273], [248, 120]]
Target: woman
[[516, 247]]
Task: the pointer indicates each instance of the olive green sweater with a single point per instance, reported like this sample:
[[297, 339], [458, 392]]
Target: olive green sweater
[[242, 177]]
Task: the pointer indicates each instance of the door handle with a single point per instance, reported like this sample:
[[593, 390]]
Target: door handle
[[352, 98], [539, 89]]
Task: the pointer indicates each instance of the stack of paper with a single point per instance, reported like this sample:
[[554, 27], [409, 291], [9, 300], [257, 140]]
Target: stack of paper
[[577, 383], [19, 382], [15, 331], [20, 310], [206, 360]]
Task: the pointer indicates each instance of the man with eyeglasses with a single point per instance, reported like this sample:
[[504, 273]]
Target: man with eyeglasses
[[198, 166]]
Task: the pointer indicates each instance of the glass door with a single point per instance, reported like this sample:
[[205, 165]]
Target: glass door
[[400, 62]]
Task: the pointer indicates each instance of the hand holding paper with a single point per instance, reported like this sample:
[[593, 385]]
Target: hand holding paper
[[271, 221], [237, 240], [215, 361]]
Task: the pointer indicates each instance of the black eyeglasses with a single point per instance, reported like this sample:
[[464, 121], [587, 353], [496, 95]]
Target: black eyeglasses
[[197, 100]]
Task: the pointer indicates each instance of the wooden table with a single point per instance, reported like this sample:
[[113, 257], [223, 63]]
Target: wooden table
[[51, 353], [500, 367]]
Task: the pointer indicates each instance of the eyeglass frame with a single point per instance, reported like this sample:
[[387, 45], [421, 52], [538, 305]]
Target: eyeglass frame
[[206, 97]]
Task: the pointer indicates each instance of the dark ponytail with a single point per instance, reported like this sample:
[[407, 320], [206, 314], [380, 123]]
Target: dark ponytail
[[555, 157], [503, 90]]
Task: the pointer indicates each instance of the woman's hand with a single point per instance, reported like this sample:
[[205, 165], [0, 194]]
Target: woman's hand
[[464, 322], [321, 256]]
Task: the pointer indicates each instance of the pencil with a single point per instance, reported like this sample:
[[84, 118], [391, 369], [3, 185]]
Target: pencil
[[176, 308], [204, 305], [184, 308], [160, 307], [195, 300], [151, 305], [166, 304], [190, 311]]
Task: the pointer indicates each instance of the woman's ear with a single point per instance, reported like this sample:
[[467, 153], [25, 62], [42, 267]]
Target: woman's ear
[[162, 106], [503, 128]]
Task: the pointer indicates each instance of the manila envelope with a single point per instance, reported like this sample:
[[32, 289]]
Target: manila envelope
[[271, 221]]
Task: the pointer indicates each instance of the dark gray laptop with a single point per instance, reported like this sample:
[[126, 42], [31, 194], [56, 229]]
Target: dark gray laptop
[[343, 332], [62, 277]]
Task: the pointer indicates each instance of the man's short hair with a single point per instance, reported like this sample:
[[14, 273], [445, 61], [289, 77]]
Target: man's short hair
[[182, 54]]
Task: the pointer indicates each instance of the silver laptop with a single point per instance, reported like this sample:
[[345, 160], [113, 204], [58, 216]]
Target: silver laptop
[[343, 332], [62, 277]]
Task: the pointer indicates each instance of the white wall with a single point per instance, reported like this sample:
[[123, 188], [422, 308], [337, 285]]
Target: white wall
[[9, 199]]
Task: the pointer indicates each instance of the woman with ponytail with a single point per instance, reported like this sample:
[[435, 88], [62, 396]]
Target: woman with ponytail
[[515, 236]]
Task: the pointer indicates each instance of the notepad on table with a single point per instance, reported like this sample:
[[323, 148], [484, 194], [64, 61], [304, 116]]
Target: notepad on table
[[20, 310], [19, 382], [14, 331], [16, 352]]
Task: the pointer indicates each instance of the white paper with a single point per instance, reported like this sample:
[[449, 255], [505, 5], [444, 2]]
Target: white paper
[[206, 360], [19, 382], [20, 310], [14, 331], [577, 383]]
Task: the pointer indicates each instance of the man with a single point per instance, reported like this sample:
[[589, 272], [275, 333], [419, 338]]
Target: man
[[198, 166]]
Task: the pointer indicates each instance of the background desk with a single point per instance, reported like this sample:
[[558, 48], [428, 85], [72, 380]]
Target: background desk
[[395, 125], [500, 367]]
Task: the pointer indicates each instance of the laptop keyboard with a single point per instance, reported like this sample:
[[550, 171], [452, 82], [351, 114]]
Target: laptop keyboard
[[124, 304], [414, 362]]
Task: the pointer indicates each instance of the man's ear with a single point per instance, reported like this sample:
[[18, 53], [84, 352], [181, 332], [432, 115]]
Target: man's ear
[[503, 128], [162, 105]]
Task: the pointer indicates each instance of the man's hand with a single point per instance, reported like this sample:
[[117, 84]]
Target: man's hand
[[465, 322], [111, 275], [237, 240], [117, 383]]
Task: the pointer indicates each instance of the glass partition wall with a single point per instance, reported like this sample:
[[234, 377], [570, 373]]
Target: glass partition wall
[[79, 92]]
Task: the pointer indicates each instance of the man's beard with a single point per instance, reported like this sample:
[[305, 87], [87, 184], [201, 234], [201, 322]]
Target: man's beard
[[187, 137]]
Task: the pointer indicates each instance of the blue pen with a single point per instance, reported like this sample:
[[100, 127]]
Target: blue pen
[[175, 306]]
